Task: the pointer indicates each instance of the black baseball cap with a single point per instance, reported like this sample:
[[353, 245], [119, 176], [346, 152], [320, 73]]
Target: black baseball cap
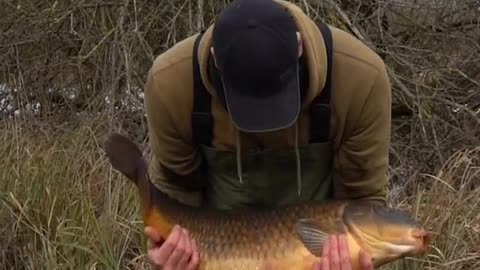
[[256, 51]]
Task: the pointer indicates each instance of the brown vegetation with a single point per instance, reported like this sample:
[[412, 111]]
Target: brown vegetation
[[84, 62]]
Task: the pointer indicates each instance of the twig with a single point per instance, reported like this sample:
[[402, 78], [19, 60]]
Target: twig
[[355, 29], [83, 58], [200, 23]]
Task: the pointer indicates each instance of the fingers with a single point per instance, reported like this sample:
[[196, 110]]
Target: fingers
[[195, 258], [326, 256], [160, 255], [178, 251], [365, 261], [344, 256], [184, 251], [334, 254], [152, 234], [154, 239]]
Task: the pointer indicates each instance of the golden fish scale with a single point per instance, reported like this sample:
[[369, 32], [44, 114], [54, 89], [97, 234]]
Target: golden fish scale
[[251, 239]]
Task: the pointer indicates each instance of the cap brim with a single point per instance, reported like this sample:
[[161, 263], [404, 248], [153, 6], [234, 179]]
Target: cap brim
[[263, 114]]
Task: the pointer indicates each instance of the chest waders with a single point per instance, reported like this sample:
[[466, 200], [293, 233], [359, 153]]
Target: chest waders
[[267, 177]]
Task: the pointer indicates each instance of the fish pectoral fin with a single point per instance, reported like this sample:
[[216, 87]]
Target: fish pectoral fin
[[312, 235]]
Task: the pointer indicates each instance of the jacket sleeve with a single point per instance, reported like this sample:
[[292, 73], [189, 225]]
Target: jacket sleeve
[[173, 160], [362, 160]]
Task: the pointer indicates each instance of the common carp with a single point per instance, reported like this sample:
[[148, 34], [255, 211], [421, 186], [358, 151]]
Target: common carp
[[271, 238]]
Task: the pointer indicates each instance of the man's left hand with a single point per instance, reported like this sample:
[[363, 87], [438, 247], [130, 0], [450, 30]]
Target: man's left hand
[[335, 256]]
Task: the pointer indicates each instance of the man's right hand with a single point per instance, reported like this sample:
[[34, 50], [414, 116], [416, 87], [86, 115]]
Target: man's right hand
[[335, 256], [178, 251]]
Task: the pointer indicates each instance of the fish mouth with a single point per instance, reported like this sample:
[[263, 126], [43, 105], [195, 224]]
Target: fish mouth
[[417, 245], [421, 241]]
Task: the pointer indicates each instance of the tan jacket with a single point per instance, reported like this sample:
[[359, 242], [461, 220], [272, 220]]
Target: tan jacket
[[361, 111]]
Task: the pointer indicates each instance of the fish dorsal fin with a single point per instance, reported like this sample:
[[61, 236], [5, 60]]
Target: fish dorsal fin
[[312, 235]]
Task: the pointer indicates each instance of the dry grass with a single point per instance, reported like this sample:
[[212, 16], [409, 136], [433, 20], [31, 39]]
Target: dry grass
[[448, 204], [61, 206]]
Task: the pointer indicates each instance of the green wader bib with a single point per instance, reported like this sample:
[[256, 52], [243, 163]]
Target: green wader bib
[[269, 177]]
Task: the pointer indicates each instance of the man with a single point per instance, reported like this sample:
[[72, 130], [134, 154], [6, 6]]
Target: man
[[279, 121]]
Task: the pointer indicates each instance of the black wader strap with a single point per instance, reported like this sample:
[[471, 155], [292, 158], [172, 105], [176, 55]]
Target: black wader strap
[[320, 108], [202, 120]]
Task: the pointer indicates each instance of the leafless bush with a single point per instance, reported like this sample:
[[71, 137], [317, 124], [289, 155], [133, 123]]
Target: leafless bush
[[432, 49]]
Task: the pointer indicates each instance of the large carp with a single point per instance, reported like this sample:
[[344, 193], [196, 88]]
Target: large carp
[[276, 238]]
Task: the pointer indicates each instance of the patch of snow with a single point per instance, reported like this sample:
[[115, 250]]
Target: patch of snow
[[131, 102], [4, 88], [6, 98]]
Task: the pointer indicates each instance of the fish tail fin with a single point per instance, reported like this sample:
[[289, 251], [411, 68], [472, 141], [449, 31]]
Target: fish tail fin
[[125, 157]]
